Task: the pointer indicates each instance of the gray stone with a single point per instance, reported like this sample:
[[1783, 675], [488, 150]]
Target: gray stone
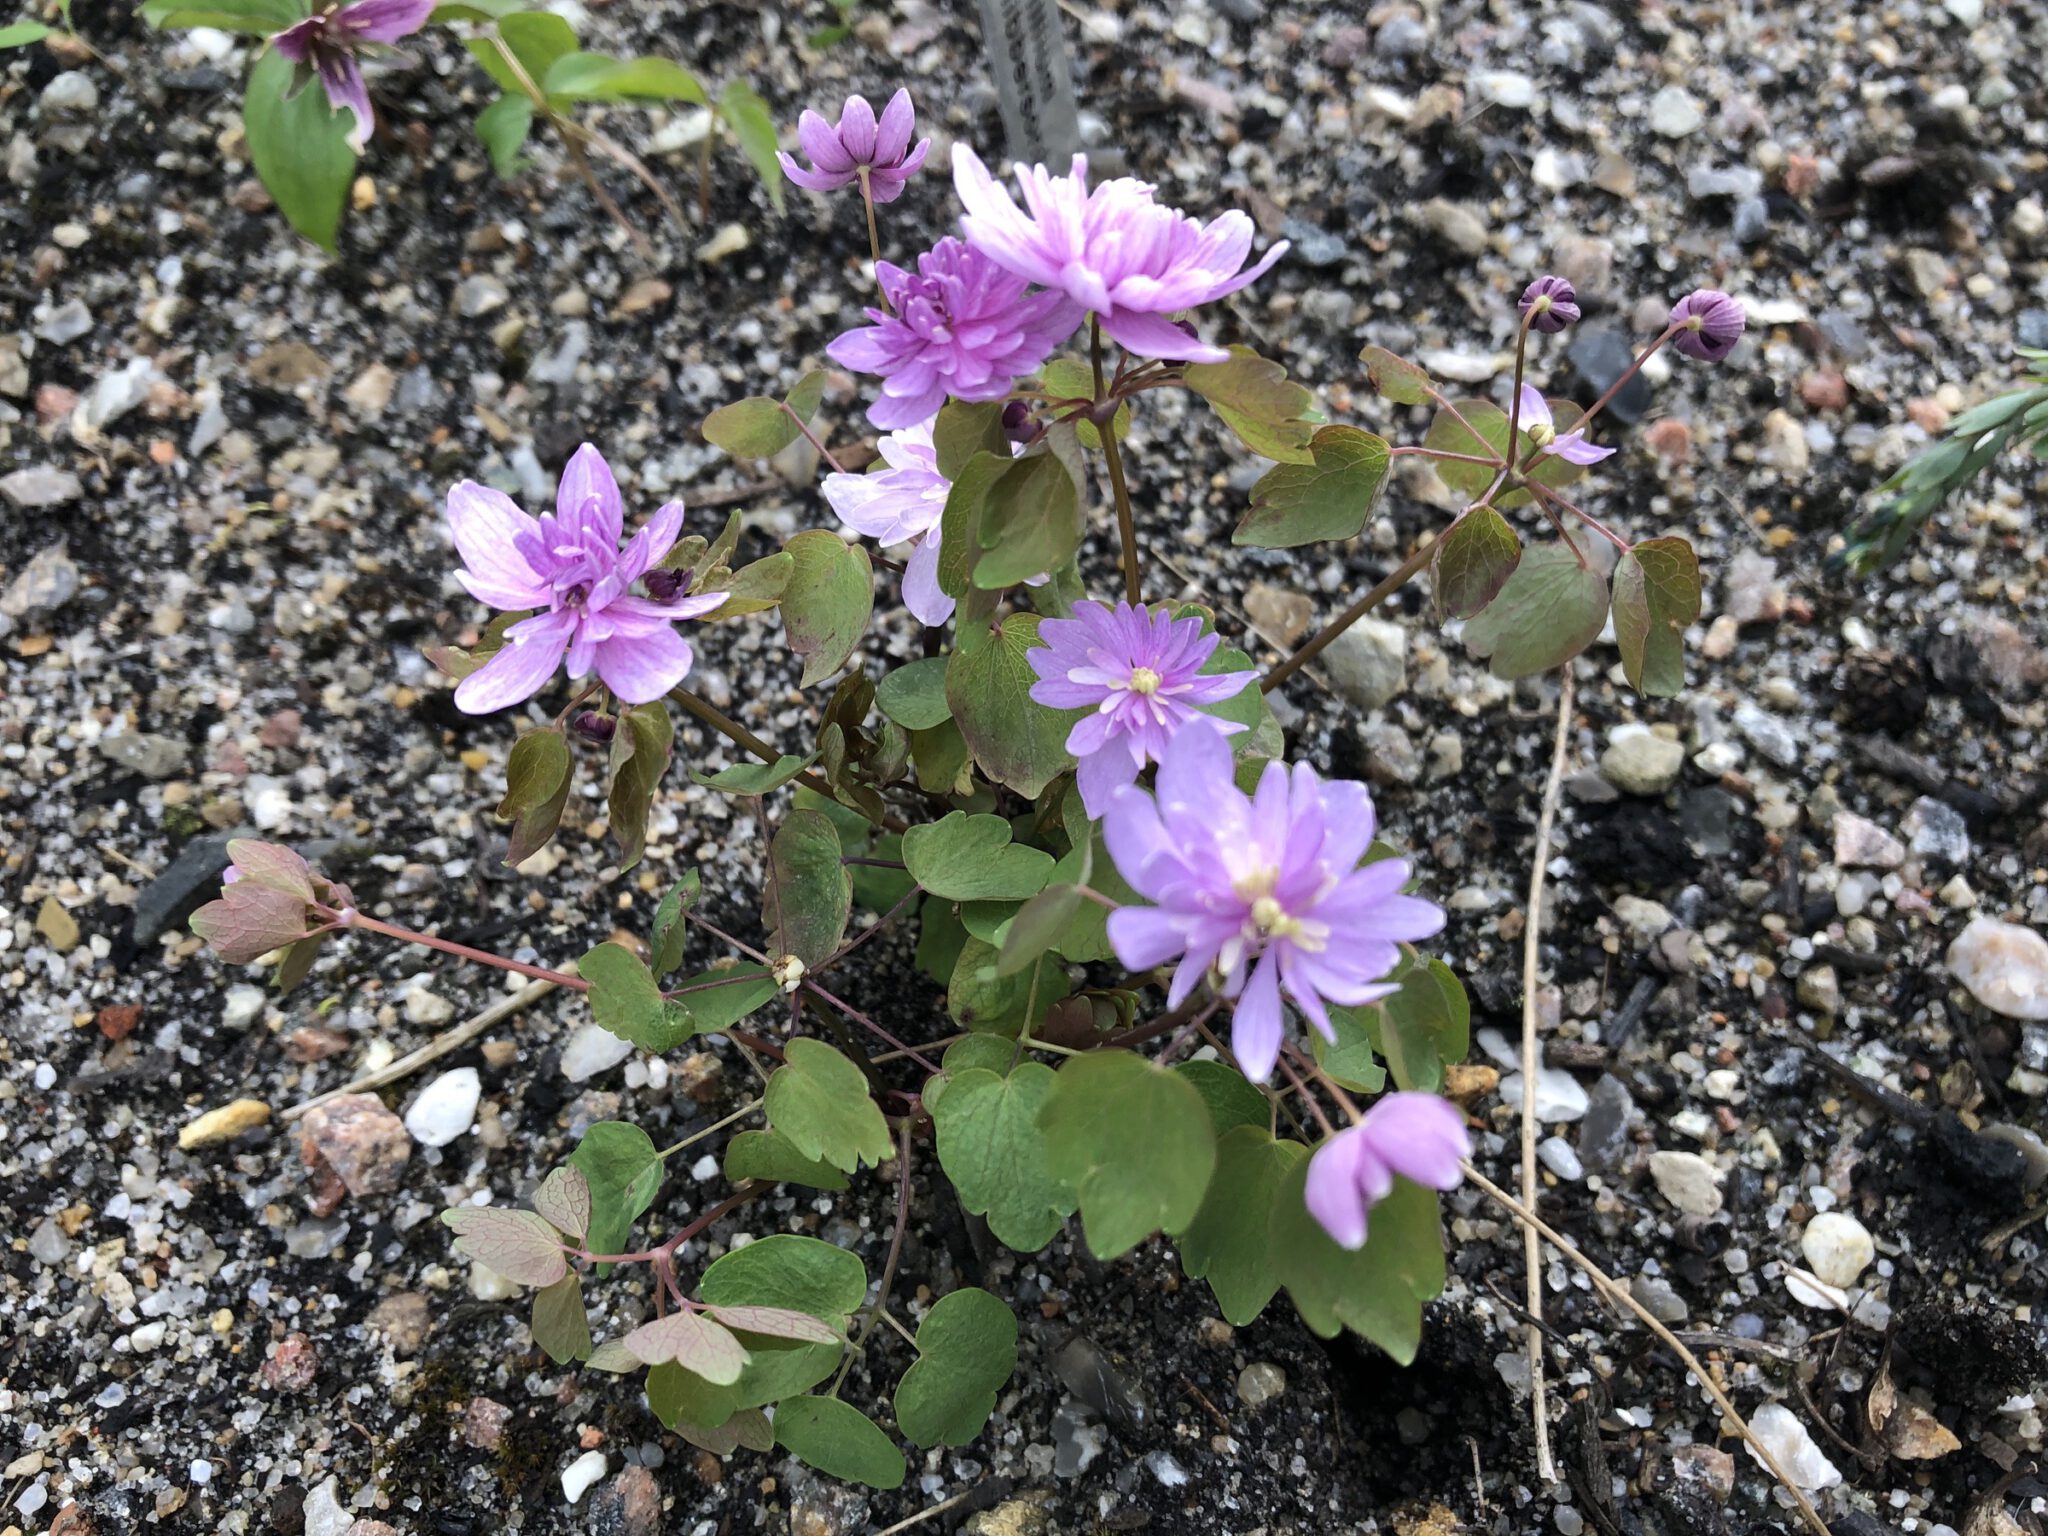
[[194, 874], [1688, 1181], [1599, 357], [2004, 966], [45, 584], [1314, 246], [71, 91], [1454, 224], [152, 756], [1658, 1298], [1862, 844], [1259, 1383], [1390, 755], [480, 295], [1936, 830], [1368, 663], [1768, 734], [1641, 762], [66, 323], [1674, 113], [40, 485]]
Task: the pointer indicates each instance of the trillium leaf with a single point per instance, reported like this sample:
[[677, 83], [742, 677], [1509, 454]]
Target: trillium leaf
[[1472, 562], [826, 606], [819, 1102], [1230, 1241], [697, 1343], [1656, 595], [914, 695], [1273, 416], [620, 1164], [1377, 1292], [755, 778], [747, 115], [299, 147], [599, 77], [671, 933], [560, 1325], [639, 757], [1395, 378], [502, 128], [966, 1353], [971, 858], [626, 999], [1133, 1141], [564, 1200], [1551, 608], [520, 1245], [537, 778], [1015, 740], [769, 1156], [840, 1441], [810, 894], [1328, 498], [991, 1146], [536, 39]]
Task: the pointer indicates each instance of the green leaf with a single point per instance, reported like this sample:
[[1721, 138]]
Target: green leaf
[[1472, 562], [981, 996], [754, 126], [799, 1273], [960, 544], [623, 1170], [599, 77], [1133, 1141], [769, 1156], [1378, 1291], [1230, 1242], [1425, 1026], [537, 779], [259, 16], [1229, 1098], [840, 1441], [987, 1129], [535, 38], [676, 1397], [475, 10], [560, 1325], [299, 147], [971, 858], [1353, 1062], [964, 429], [22, 34], [1656, 595], [1395, 378], [626, 1000], [819, 1101], [828, 601], [1330, 498], [665, 945], [639, 757], [759, 427], [1552, 608], [520, 1245], [1486, 435], [720, 997], [914, 696], [809, 895], [503, 127], [1029, 523], [784, 1324], [1039, 926], [563, 1199], [1273, 417], [754, 588], [755, 778], [1073, 378], [966, 1352], [1015, 740], [693, 1341]]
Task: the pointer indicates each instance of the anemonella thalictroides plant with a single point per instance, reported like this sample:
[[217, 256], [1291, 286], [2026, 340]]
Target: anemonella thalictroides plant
[[1187, 989]]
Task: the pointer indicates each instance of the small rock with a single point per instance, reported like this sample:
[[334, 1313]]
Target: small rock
[[1281, 613], [1674, 113], [2004, 966], [371, 391], [1792, 1448], [581, 1474], [644, 295], [48, 1245], [1455, 224], [1259, 1383], [1390, 756], [45, 584], [592, 1049], [1604, 1135], [1935, 829], [1558, 1095], [1768, 734], [483, 1423], [154, 757], [1504, 88], [224, 1124], [427, 1008], [476, 297], [1643, 919], [117, 1021], [1786, 446], [1705, 1467], [243, 1005], [40, 486], [1658, 1298], [71, 91], [294, 1366], [1837, 1248], [1561, 1158], [445, 1108], [1600, 357], [1368, 663], [628, 1505], [1819, 989], [1914, 1434], [1751, 592], [1688, 1181], [1863, 844], [363, 1143], [730, 240], [1640, 762], [405, 1320], [323, 1513], [57, 926]]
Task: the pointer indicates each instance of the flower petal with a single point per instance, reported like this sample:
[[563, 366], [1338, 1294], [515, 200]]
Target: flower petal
[[531, 653], [641, 668], [588, 496], [484, 525]]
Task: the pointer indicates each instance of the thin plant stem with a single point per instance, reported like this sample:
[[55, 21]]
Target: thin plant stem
[[1515, 398], [690, 1140], [1112, 457], [480, 956], [667, 1248], [1314, 1104], [867, 201], [1442, 454], [1619, 1296], [805, 428], [747, 741], [1445, 403], [1551, 499], [1391, 583], [881, 1301], [1539, 1402], [1628, 373]]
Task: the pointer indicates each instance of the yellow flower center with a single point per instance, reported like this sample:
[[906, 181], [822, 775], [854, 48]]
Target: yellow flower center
[[1144, 680], [1541, 433], [1271, 919]]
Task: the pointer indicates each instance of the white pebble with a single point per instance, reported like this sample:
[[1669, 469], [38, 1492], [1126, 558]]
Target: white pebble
[[1837, 1247], [1558, 1095], [1792, 1448], [582, 1474], [445, 1109], [1558, 1156], [1688, 1181], [591, 1050], [2005, 967], [243, 1006]]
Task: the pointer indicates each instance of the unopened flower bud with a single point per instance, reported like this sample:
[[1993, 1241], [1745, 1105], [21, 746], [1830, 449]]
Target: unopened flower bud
[[666, 586], [1710, 324], [1551, 304], [787, 973], [1019, 426], [592, 726]]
